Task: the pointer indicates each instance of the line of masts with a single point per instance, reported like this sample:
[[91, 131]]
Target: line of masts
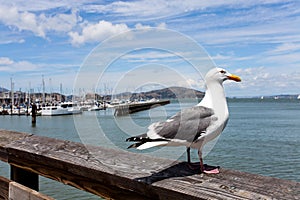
[[27, 96]]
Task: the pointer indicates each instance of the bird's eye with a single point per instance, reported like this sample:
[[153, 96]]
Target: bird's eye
[[223, 71]]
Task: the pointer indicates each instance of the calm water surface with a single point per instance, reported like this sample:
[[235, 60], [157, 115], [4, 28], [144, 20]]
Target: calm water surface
[[262, 137]]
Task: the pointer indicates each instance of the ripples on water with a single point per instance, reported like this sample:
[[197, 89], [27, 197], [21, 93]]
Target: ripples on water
[[261, 137]]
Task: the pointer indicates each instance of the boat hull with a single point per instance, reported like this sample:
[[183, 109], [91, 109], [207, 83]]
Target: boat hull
[[58, 110]]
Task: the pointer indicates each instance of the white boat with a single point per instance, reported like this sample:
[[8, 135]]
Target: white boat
[[17, 110], [298, 97], [95, 108], [67, 108]]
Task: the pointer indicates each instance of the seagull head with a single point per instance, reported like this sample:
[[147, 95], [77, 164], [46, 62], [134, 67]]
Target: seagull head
[[220, 75]]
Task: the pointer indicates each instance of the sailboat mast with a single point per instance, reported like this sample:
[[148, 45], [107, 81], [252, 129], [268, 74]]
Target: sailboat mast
[[43, 89], [12, 95]]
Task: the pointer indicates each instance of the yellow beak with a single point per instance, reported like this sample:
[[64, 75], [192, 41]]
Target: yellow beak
[[234, 78]]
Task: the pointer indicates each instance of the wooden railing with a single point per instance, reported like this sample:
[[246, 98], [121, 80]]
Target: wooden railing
[[126, 109], [117, 174], [14, 191]]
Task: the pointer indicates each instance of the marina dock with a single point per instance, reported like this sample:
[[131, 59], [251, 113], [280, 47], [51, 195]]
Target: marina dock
[[126, 109], [118, 174]]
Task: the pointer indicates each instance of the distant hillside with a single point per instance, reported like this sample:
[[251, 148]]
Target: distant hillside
[[166, 93], [282, 96], [3, 89]]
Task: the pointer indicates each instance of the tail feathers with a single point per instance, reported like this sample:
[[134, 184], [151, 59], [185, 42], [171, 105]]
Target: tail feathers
[[137, 139], [148, 145], [135, 145], [142, 140]]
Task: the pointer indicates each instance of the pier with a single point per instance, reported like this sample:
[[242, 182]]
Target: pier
[[126, 109], [118, 174]]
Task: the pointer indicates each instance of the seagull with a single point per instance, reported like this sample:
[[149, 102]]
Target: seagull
[[195, 126]]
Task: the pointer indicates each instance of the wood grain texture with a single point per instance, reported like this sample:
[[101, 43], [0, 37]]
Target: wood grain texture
[[6, 137], [20, 192], [4, 187], [10, 190], [126, 109], [119, 174]]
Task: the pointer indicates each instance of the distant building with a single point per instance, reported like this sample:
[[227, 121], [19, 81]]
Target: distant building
[[19, 97], [23, 97]]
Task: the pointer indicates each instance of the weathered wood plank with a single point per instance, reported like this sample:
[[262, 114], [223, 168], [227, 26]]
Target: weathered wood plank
[[136, 107], [123, 175], [4, 186], [6, 137], [10, 190], [20, 192], [78, 169]]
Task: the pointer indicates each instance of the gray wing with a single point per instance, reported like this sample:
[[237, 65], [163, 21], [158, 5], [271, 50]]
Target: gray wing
[[186, 125]]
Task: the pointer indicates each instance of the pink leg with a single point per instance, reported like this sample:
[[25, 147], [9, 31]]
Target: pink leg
[[203, 170]]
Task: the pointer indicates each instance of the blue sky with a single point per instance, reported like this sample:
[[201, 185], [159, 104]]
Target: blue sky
[[257, 40]]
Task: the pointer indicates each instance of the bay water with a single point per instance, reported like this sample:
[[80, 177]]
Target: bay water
[[261, 137]]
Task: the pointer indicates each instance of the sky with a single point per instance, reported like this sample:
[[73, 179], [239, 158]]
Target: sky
[[259, 40]]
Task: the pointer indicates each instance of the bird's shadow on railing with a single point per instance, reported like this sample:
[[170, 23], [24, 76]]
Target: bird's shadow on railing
[[181, 169]]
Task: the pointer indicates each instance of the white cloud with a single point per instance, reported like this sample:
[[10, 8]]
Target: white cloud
[[262, 32], [11, 17], [149, 55], [39, 25], [258, 81], [5, 61], [192, 83], [152, 75], [221, 57], [268, 33], [97, 32], [160, 8], [142, 8], [11, 66], [22, 17], [33, 5], [288, 59], [285, 48], [60, 22], [141, 26]]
